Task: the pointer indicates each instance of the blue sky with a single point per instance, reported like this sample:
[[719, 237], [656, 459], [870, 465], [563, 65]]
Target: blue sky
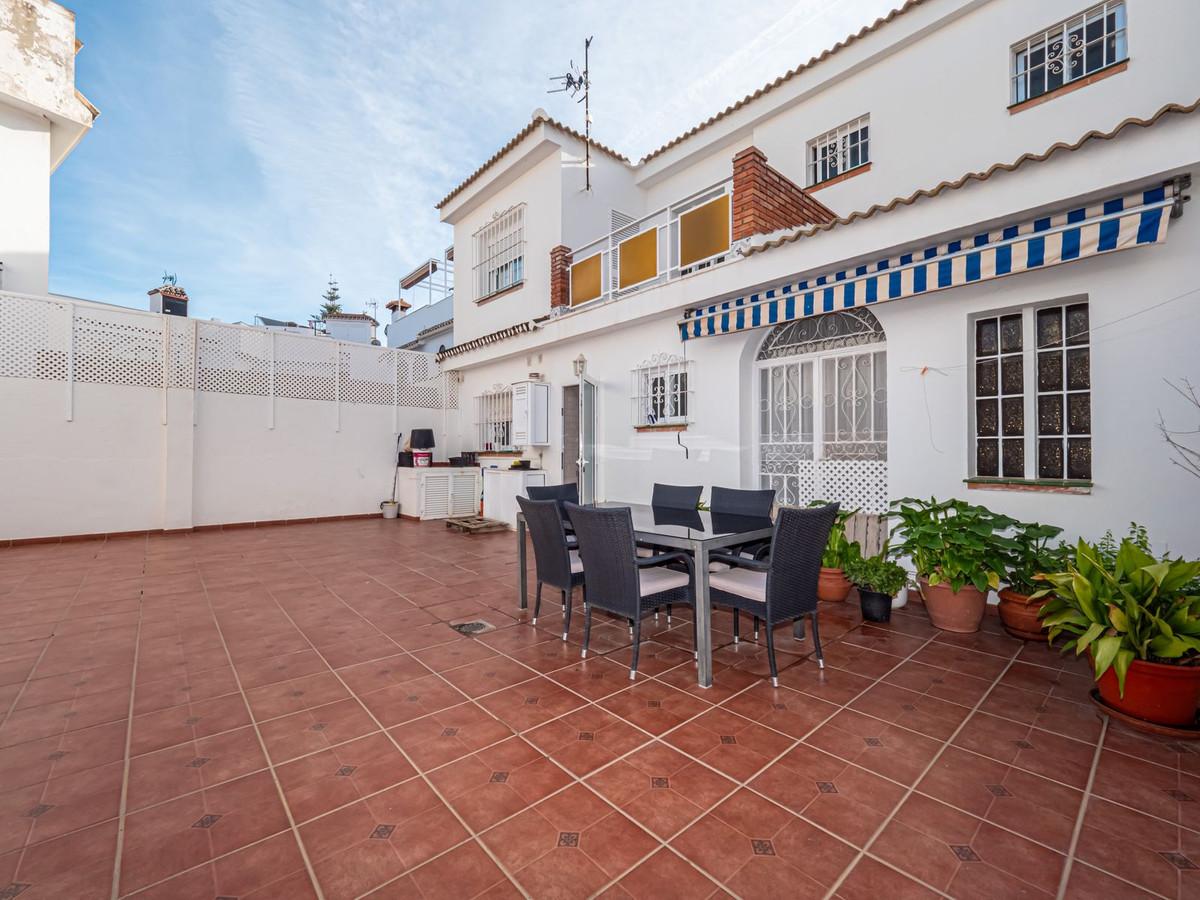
[[253, 147]]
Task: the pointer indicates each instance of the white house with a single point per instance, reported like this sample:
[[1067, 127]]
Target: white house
[[356, 327], [949, 256], [42, 118], [423, 314]]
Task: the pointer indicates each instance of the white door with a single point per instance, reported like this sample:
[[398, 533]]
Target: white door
[[587, 440], [821, 395]]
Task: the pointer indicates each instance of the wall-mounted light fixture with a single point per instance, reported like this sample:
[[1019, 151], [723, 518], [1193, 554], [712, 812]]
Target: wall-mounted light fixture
[[580, 364]]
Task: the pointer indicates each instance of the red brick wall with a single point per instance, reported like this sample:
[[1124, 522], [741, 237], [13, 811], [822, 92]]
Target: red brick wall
[[766, 201], [560, 276]]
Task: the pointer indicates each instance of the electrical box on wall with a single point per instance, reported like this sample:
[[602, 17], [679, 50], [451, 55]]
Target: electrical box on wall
[[530, 413]]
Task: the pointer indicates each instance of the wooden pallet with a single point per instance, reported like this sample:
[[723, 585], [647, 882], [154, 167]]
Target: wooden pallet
[[475, 524]]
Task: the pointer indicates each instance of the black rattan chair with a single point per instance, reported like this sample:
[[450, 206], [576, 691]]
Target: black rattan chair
[[676, 496], [563, 493], [557, 564], [784, 588], [618, 581], [741, 503]]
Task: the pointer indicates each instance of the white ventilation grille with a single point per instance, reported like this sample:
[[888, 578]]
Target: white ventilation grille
[[56, 340]]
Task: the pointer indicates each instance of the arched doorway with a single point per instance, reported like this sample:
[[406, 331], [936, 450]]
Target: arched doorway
[[821, 404]]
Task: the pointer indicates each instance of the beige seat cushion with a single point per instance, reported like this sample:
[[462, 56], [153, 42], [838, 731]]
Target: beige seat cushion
[[576, 562], [656, 579], [743, 582], [725, 567]]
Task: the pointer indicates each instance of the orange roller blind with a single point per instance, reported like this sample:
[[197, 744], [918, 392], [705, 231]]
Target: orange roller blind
[[585, 280], [639, 258], [704, 231]]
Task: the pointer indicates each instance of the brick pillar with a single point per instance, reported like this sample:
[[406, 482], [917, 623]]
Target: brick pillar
[[764, 200], [560, 276]]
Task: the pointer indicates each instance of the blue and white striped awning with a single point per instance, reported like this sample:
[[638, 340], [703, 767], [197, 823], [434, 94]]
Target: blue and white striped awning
[[1115, 224]]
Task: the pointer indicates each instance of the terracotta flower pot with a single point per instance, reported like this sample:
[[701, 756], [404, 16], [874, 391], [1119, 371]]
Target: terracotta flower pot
[[1019, 615], [960, 611], [1165, 695], [832, 586]]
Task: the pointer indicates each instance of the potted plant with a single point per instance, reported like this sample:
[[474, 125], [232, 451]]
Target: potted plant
[[878, 580], [832, 585], [958, 551], [1138, 618], [1033, 555]]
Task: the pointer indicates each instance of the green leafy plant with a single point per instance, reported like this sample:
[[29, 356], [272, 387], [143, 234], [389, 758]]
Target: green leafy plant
[[878, 574], [952, 542], [839, 550], [1034, 555], [1137, 607], [1108, 545]]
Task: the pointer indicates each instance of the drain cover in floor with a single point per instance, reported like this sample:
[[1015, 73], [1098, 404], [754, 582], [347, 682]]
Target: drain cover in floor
[[474, 626]]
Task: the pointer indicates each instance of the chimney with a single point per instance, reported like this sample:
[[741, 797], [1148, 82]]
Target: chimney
[[398, 307], [169, 299]]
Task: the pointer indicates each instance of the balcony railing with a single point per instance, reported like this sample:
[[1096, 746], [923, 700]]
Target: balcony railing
[[689, 235]]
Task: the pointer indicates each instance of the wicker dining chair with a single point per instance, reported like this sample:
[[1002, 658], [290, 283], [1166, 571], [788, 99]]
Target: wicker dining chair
[[558, 565], [620, 582], [562, 493], [737, 502], [676, 496], [783, 588]]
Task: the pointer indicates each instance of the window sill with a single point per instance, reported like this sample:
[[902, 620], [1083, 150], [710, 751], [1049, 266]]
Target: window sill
[[1098, 75], [673, 426], [1031, 485], [849, 173], [508, 290]]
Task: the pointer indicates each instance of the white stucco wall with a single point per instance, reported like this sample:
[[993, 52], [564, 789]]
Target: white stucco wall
[[25, 203], [539, 185]]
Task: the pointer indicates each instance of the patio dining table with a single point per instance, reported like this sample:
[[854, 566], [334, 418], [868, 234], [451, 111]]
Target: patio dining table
[[697, 532]]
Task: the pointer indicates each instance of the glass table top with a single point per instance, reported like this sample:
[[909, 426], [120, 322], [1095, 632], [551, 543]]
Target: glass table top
[[691, 524]]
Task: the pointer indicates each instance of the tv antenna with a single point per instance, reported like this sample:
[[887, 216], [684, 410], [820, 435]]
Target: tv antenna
[[576, 83]]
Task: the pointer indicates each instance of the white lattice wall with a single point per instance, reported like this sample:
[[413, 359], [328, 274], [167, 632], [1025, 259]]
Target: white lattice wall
[[56, 340]]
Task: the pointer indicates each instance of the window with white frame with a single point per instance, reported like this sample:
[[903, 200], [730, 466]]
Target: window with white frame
[[500, 253], [1068, 51], [493, 419], [840, 150], [1032, 394], [661, 391]]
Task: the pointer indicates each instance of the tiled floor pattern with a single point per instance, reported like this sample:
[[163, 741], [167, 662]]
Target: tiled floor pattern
[[284, 713]]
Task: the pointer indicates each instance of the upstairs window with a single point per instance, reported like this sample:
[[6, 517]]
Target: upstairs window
[[1032, 387], [1068, 51], [840, 150], [500, 253]]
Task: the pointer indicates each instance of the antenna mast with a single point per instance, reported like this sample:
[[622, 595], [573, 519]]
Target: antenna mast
[[574, 83]]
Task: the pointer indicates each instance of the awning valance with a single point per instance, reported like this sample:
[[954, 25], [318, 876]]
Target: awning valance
[[1112, 225]]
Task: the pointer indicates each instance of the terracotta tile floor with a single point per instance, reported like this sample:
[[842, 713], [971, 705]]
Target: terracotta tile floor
[[284, 713]]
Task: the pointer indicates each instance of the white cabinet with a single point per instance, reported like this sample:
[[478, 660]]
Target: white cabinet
[[501, 487], [530, 414], [438, 492]]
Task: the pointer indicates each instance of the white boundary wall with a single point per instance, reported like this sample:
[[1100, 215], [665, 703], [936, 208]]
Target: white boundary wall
[[116, 420]]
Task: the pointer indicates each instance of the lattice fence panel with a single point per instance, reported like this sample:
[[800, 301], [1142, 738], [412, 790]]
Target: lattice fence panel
[[181, 369], [112, 347], [368, 374], [127, 347], [234, 360], [306, 368], [421, 382], [860, 484], [34, 338]]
